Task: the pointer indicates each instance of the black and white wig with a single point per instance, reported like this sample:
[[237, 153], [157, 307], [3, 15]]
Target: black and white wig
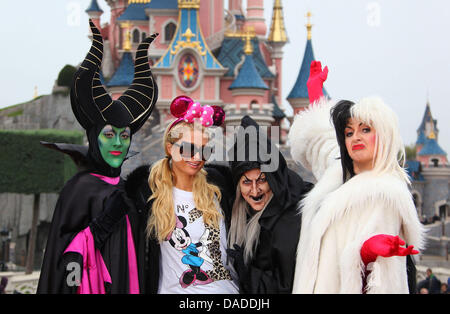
[[389, 151]]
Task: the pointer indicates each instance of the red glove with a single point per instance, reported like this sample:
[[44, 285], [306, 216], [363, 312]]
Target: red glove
[[386, 246], [315, 82]]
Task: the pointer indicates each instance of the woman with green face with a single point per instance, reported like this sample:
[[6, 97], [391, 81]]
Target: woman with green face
[[92, 246], [114, 144]]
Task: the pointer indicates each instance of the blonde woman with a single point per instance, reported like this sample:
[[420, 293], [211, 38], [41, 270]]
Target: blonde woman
[[186, 207], [360, 213]]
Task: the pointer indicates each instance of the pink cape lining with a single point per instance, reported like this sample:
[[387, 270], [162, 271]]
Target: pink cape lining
[[95, 273], [112, 181]]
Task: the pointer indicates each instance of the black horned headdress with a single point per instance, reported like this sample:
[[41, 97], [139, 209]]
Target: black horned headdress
[[91, 103]]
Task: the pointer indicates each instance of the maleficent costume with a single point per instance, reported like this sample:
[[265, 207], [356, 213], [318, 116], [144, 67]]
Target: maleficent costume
[[91, 246]]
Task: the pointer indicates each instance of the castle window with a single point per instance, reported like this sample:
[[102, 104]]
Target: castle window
[[435, 162], [169, 31], [136, 36]]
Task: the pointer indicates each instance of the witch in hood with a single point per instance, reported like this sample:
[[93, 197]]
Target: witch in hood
[[93, 241], [265, 221]]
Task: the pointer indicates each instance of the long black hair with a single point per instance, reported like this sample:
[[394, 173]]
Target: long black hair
[[340, 114]]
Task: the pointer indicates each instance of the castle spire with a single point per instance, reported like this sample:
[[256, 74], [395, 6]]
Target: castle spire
[[309, 25], [127, 40], [277, 29]]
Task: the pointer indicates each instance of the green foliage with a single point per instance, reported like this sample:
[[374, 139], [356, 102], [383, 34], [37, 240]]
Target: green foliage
[[410, 152], [65, 76], [29, 168]]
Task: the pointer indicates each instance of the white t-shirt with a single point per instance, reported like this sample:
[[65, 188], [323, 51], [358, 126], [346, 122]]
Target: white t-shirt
[[193, 259]]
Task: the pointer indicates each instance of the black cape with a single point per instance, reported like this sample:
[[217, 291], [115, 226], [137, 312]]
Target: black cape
[[82, 200]]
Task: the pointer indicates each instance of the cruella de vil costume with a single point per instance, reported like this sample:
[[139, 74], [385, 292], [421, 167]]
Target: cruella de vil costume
[[346, 216]]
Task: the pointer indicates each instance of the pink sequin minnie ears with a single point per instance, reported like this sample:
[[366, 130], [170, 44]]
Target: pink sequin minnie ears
[[185, 109]]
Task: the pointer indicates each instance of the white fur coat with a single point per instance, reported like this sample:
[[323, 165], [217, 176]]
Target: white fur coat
[[338, 218]]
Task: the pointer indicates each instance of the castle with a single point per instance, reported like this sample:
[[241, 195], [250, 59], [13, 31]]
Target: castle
[[218, 57]]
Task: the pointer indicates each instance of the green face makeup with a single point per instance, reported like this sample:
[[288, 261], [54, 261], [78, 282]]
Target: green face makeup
[[113, 144]]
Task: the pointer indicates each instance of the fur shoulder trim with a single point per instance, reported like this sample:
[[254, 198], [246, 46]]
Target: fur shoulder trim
[[313, 139]]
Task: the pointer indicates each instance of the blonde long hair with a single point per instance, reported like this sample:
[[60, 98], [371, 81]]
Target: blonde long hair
[[207, 196]]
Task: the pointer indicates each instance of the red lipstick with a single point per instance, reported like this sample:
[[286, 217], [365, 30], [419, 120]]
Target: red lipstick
[[358, 147], [115, 153]]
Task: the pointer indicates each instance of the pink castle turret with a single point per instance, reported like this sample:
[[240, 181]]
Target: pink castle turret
[[255, 17]]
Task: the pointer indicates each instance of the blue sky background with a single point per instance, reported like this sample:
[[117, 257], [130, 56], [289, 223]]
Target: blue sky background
[[396, 49]]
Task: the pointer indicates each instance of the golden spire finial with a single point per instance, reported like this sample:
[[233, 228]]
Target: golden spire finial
[[247, 36], [432, 134], [277, 29], [309, 25], [127, 43]]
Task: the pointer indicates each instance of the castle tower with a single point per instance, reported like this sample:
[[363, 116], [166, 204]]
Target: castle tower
[[188, 67], [124, 75], [94, 12], [114, 31], [255, 17], [249, 91], [429, 153], [212, 18], [298, 97], [277, 40], [235, 7]]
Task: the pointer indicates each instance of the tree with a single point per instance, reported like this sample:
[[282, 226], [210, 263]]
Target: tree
[[410, 152], [65, 76], [26, 167]]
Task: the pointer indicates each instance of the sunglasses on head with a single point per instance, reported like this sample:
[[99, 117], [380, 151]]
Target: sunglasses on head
[[189, 150]]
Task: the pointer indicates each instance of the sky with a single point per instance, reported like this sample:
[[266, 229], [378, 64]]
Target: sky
[[398, 50]]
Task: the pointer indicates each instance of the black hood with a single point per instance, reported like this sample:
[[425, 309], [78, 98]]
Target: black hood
[[287, 186]]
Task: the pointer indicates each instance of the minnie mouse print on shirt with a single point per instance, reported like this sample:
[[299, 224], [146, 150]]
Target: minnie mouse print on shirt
[[193, 258]]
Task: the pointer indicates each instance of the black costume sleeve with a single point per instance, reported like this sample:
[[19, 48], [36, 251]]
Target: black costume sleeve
[[220, 176], [116, 207], [272, 269], [148, 252]]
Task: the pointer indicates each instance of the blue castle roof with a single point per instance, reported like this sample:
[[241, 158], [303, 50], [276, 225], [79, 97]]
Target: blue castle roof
[[94, 7], [248, 76], [300, 90], [427, 117], [277, 112], [414, 170], [136, 11], [163, 4], [124, 74], [421, 139], [231, 53], [431, 147], [189, 22]]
